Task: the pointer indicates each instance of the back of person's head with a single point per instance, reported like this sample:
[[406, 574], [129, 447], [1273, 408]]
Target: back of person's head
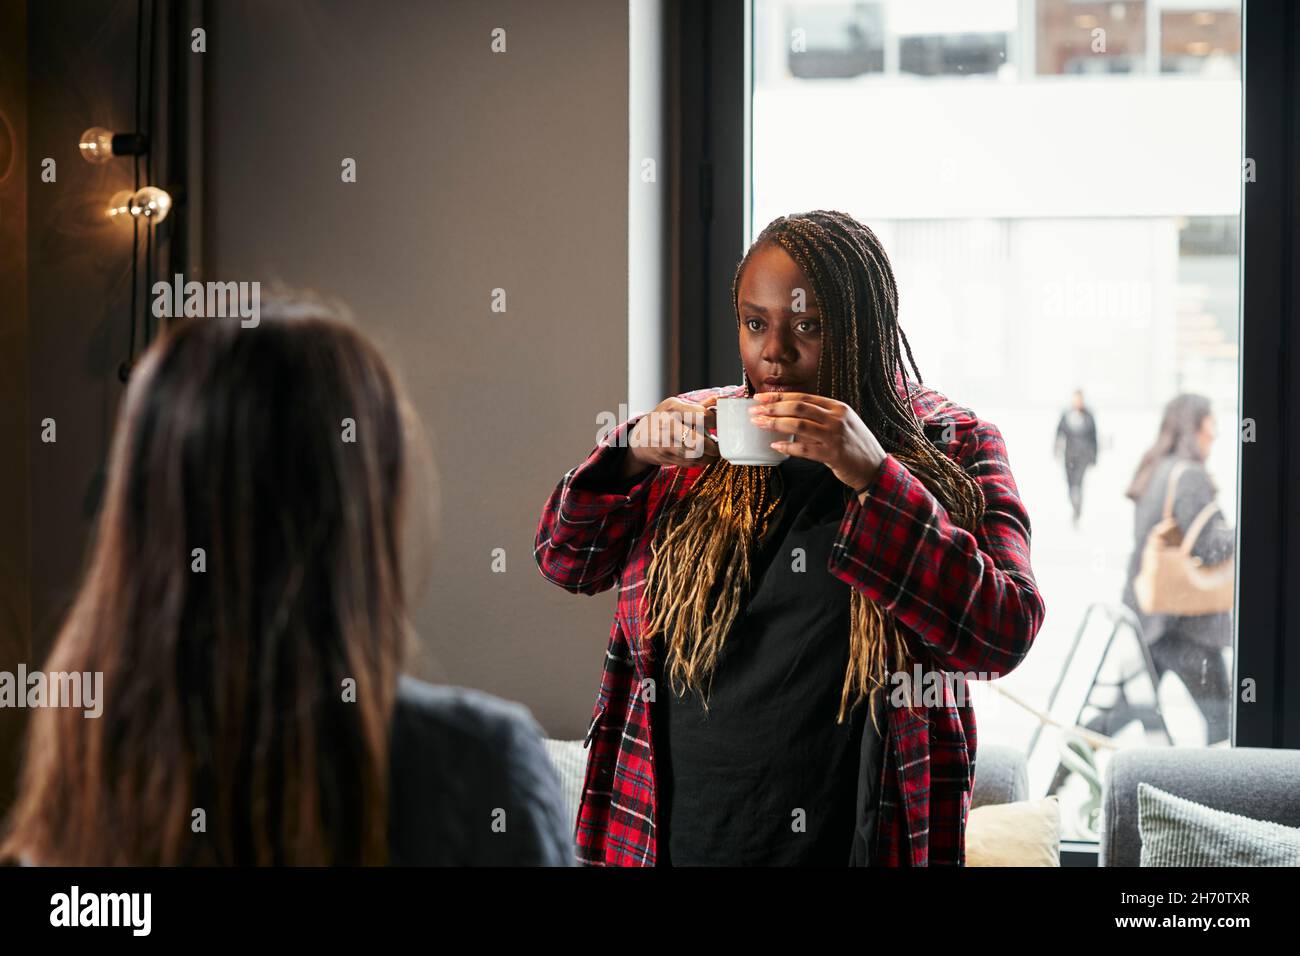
[[245, 604], [1176, 438]]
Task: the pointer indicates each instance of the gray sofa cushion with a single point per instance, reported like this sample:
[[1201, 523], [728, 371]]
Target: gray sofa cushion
[[1255, 782], [1178, 832], [1000, 776], [570, 760]]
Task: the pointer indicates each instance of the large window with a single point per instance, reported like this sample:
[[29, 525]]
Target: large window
[[1073, 225]]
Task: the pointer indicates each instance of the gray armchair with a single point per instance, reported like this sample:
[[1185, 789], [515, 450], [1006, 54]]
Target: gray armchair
[[1255, 782], [1000, 776]]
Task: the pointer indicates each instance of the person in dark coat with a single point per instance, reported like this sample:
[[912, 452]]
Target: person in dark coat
[[1189, 645], [1076, 442]]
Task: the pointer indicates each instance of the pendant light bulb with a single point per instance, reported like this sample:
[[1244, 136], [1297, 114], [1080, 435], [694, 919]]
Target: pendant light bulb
[[151, 204], [97, 145], [119, 207]]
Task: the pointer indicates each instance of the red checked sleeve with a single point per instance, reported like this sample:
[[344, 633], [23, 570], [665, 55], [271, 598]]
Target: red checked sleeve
[[591, 518], [971, 599]]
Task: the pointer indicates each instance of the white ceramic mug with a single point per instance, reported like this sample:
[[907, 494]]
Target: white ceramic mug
[[742, 442]]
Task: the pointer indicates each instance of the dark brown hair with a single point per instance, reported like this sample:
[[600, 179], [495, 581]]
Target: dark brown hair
[[702, 548], [224, 683], [1179, 425]]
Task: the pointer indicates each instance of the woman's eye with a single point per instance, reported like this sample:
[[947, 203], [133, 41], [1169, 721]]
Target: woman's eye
[[806, 325]]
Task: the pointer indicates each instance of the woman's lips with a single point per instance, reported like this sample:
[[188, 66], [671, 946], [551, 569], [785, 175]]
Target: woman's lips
[[780, 387]]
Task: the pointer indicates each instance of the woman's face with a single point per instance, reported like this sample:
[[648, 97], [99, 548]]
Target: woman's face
[[780, 324], [1205, 436]]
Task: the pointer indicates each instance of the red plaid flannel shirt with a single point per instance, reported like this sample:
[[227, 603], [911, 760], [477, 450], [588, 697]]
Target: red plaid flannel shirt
[[965, 603]]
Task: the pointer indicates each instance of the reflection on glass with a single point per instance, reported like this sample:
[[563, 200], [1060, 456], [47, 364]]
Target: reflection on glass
[[1091, 38], [1202, 41], [1066, 245], [835, 39]]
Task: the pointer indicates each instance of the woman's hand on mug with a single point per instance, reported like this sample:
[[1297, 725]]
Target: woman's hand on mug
[[675, 432], [824, 430]]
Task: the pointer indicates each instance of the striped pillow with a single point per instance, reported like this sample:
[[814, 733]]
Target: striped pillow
[[1178, 832]]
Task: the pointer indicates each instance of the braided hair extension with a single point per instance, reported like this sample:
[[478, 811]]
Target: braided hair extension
[[703, 544]]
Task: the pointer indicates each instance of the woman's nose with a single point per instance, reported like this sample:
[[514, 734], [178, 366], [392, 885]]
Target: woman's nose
[[779, 351]]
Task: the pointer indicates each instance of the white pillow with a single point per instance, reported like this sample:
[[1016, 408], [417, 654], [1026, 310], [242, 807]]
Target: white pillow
[[1027, 833]]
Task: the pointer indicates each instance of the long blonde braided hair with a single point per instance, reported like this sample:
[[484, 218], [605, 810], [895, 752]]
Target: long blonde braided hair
[[703, 544]]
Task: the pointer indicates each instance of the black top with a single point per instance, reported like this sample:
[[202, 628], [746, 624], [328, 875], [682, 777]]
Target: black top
[[1077, 430], [471, 783], [766, 776]]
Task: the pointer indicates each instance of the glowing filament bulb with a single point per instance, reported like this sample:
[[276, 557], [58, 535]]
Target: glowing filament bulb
[[119, 207], [152, 204], [97, 145]]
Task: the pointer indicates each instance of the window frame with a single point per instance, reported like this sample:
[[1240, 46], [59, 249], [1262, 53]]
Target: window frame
[[712, 102]]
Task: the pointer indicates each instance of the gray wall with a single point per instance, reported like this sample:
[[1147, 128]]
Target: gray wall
[[475, 171]]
